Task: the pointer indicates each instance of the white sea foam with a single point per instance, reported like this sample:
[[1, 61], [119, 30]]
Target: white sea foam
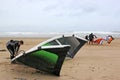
[[52, 34]]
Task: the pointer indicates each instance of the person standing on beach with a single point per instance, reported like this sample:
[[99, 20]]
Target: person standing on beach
[[13, 47], [91, 38]]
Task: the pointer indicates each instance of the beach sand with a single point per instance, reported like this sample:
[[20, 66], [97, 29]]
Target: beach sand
[[92, 62]]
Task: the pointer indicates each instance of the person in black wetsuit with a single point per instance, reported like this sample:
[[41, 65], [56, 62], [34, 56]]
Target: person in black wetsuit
[[13, 47], [91, 37]]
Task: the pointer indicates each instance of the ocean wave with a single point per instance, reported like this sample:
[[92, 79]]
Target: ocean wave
[[52, 34]]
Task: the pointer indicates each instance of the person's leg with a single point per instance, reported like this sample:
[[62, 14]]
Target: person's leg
[[91, 41], [11, 50]]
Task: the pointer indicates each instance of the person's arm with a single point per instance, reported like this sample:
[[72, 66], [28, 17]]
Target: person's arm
[[17, 49], [17, 46]]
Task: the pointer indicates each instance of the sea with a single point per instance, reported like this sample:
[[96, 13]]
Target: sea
[[115, 34]]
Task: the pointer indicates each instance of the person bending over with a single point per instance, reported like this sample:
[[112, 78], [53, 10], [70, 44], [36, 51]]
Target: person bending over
[[13, 47]]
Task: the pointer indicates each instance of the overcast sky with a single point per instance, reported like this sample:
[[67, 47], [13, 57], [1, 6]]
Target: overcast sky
[[59, 15]]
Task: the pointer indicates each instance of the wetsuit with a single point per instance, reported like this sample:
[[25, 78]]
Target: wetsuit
[[91, 36], [13, 47]]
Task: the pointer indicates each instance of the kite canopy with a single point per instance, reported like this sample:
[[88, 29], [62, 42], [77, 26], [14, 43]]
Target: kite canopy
[[49, 55]]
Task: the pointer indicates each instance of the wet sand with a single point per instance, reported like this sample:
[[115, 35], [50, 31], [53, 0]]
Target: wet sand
[[92, 62]]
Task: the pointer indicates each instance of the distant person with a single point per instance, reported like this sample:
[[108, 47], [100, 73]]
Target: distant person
[[13, 47], [86, 37], [91, 38]]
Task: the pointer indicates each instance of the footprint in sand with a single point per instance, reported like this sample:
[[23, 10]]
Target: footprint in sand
[[20, 78], [92, 68], [106, 78]]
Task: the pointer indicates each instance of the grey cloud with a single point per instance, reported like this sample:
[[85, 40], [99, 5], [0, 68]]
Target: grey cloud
[[70, 8], [59, 13]]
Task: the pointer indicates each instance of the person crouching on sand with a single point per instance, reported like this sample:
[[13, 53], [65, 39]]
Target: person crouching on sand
[[13, 47]]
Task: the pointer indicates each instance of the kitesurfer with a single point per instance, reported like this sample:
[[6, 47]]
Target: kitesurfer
[[13, 47], [91, 37]]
